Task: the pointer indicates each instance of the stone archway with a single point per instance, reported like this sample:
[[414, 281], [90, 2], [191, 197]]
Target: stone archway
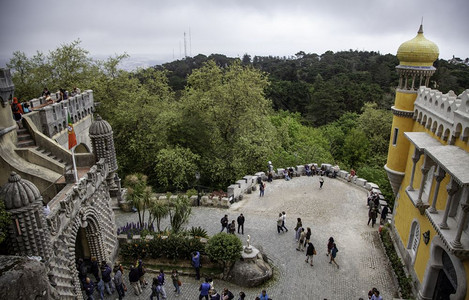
[[444, 270], [86, 222]]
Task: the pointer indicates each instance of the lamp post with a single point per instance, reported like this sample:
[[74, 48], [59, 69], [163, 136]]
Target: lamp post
[[197, 177]]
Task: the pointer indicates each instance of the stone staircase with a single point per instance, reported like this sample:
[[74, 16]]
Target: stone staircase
[[25, 139], [53, 157]]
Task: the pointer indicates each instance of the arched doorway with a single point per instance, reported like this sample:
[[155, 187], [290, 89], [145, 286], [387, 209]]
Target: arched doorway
[[82, 247], [445, 276], [446, 283]]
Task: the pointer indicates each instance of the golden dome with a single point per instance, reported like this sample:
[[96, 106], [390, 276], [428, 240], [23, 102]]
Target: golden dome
[[418, 51]]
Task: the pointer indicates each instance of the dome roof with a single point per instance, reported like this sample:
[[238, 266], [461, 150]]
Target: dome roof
[[100, 126], [418, 51], [19, 192]]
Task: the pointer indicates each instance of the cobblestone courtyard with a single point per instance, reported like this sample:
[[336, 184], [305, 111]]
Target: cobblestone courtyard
[[338, 210]]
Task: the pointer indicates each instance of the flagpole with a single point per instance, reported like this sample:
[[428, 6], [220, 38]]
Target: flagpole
[[73, 151]]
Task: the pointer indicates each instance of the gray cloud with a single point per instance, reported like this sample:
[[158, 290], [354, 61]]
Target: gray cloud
[[274, 27]]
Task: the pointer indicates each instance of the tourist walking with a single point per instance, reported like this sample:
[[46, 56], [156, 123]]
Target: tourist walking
[[321, 182], [307, 236], [334, 251], [384, 215], [118, 272], [161, 282], [372, 215], [299, 224], [224, 223], [232, 227], [242, 296], [134, 280], [155, 289], [95, 268], [196, 264], [279, 222], [106, 274], [204, 289], [330, 243], [88, 286], [141, 273], [284, 220], [241, 220], [176, 282], [376, 296], [227, 295], [100, 288], [261, 189], [301, 241], [310, 252], [263, 295]]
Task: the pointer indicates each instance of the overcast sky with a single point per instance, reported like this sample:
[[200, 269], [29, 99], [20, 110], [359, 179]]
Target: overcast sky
[[258, 27]]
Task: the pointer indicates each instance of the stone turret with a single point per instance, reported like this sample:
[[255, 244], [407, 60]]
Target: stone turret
[[27, 234], [103, 143], [103, 147]]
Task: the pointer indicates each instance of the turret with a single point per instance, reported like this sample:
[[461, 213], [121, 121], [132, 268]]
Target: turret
[[415, 68], [27, 234]]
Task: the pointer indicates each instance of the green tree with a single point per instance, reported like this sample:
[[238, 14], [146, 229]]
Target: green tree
[[157, 212], [139, 194], [179, 213], [356, 148], [175, 167], [225, 249]]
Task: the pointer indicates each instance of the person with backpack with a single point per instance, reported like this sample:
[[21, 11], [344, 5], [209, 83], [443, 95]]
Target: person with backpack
[[310, 252], [17, 111], [224, 223], [334, 251], [155, 289], [232, 227], [196, 264], [106, 274]]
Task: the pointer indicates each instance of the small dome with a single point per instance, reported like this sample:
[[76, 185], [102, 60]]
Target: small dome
[[100, 127], [418, 51], [19, 192]]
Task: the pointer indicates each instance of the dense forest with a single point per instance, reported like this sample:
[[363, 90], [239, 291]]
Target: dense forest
[[226, 117]]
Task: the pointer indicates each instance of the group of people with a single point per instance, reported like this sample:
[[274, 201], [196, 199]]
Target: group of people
[[231, 227], [105, 282], [303, 240], [373, 209], [207, 291]]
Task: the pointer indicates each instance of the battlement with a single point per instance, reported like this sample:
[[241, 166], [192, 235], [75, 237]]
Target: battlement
[[446, 115], [52, 117]]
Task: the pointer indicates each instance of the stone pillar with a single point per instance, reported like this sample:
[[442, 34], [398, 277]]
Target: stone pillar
[[425, 168], [415, 159], [439, 175], [451, 188], [462, 220]]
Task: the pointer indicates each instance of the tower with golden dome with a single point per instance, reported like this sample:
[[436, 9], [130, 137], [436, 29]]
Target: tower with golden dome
[[428, 168]]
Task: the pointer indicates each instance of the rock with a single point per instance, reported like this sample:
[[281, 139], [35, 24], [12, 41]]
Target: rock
[[23, 278]]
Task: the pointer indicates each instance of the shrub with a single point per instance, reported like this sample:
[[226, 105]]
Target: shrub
[[198, 232], [404, 280], [225, 249]]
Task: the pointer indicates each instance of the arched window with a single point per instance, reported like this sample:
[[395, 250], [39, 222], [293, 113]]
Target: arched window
[[414, 240]]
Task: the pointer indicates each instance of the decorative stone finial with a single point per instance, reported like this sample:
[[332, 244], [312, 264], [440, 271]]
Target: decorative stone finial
[[18, 192]]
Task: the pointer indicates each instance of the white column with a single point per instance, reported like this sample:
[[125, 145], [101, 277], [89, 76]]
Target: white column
[[427, 162], [451, 188], [438, 175], [415, 159], [462, 220]]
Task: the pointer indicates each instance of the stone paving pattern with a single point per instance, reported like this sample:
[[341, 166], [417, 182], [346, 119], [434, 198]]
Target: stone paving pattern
[[338, 210]]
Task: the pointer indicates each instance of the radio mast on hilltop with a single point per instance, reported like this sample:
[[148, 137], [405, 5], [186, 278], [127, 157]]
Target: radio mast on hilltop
[[185, 45]]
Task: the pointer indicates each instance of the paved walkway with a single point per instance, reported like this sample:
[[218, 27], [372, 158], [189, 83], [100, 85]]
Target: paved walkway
[[338, 210]]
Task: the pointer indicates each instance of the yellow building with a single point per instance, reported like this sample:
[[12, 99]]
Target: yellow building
[[428, 167]]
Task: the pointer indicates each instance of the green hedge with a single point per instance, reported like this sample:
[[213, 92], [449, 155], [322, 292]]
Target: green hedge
[[405, 282], [173, 247]]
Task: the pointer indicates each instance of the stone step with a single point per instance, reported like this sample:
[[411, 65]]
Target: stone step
[[24, 144], [22, 130], [24, 137]]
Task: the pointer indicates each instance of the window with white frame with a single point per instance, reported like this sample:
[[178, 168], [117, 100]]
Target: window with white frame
[[414, 239]]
